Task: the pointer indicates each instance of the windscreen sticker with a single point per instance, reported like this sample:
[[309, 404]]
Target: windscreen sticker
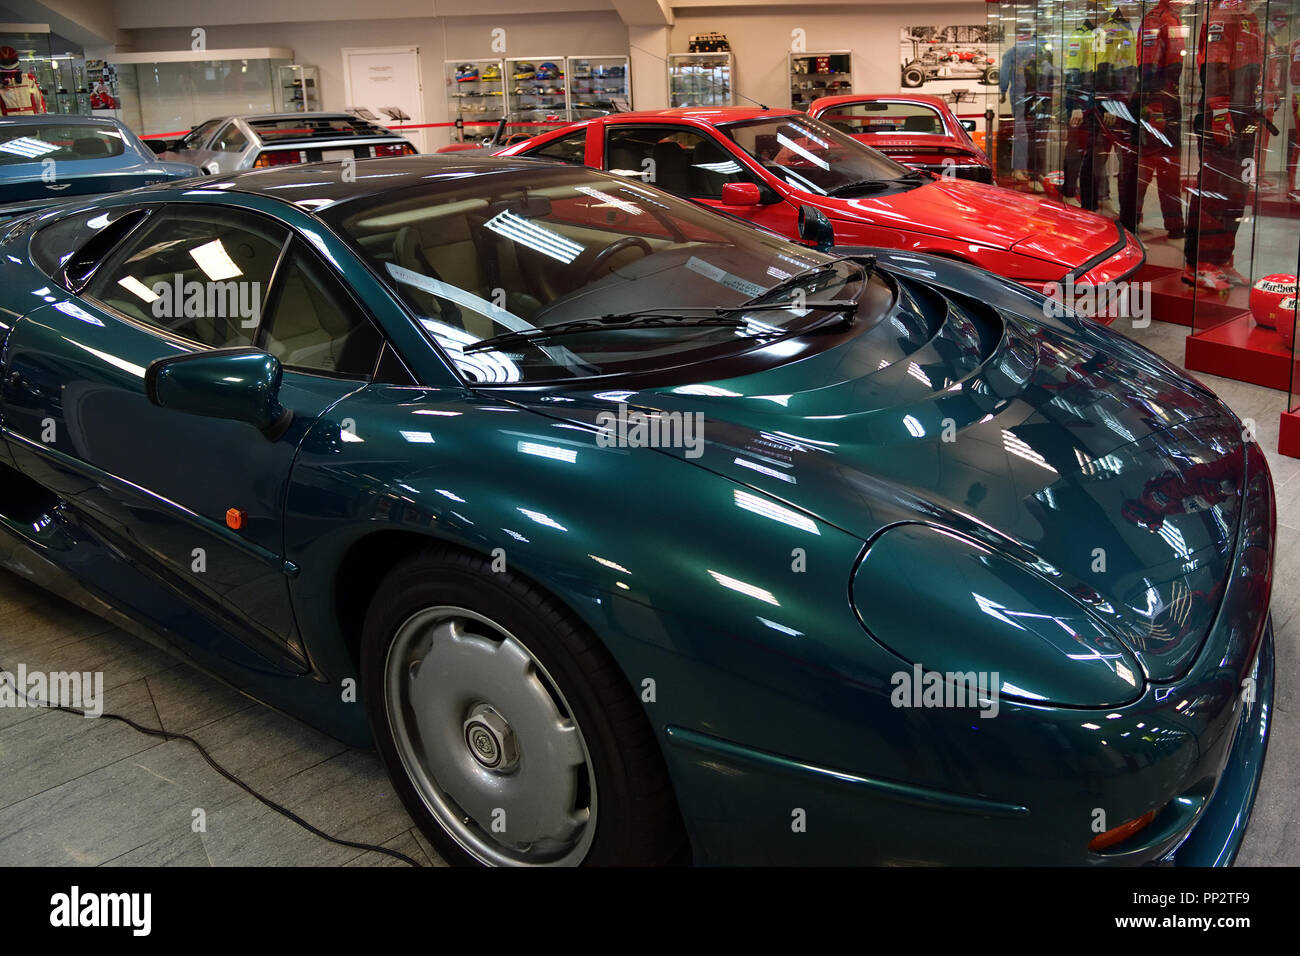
[[723, 277]]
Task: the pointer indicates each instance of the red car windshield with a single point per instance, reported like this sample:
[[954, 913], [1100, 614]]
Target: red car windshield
[[883, 116], [816, 158]]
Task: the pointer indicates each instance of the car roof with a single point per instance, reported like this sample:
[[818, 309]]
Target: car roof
[[250, 117], [928, 99], [314, 185], [708, 114], [60, 119]]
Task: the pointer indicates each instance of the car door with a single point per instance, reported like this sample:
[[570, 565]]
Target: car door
[[193, 146], [694, 164], [194, 503]]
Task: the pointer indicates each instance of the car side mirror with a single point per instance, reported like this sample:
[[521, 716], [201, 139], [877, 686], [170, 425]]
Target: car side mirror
[[158, 146], [236, 384], [741, 194], [815, 228]]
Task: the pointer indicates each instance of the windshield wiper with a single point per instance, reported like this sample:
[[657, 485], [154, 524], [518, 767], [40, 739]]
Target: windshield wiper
[[685, 317]]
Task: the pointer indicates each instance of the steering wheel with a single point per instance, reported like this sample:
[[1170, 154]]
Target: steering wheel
[[613, 249]]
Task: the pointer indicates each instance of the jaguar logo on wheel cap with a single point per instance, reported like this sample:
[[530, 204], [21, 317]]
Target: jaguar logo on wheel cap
[[490, 739]]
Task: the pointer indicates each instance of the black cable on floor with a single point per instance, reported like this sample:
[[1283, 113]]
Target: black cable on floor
[[266, 801]]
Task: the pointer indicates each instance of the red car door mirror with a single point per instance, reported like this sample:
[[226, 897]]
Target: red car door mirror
[[741, 194]]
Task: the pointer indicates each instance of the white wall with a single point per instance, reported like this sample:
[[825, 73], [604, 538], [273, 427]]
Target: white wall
[[319, 44], [760, 39], [759, 33]]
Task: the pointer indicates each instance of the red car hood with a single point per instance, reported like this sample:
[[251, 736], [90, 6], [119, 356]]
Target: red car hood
[[988, 215]]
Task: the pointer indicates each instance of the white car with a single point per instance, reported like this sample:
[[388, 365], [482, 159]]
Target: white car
[[228, 144]]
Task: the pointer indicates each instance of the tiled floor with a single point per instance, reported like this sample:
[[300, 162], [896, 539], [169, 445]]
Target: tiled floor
[[95, 792]]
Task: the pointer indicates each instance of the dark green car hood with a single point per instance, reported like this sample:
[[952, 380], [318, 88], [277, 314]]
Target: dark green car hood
[[1069, 449]]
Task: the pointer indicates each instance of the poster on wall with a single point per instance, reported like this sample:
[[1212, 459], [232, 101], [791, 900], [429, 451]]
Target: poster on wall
[[101, 84], [958, 62]]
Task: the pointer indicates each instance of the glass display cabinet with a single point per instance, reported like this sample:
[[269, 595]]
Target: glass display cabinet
[[476, 97], [599, 83], [813, 75], [699, 79], [1179, 121], [172, 90], [297, 89], [536, 84], [50, 75], [1287, 318]]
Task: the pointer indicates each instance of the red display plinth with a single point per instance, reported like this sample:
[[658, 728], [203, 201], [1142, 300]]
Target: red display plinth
[[1242, 350], [1288, 442]]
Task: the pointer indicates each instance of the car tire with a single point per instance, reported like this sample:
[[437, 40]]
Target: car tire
[[912, 77], [452, 652], [991, 76]]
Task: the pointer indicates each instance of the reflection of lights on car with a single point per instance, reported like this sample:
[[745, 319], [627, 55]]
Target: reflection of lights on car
[[744, 588], [914, 426], [1021, 449], [417, 438], [450, 494], [794, 147], [215, 262], [542, 519], [713, 391], [534, 236], [781, 627], [609, 564], [548, 451], [31, 148], [764, 470], [770, 509]]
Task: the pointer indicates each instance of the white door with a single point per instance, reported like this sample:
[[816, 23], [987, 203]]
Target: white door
[[386, 82]]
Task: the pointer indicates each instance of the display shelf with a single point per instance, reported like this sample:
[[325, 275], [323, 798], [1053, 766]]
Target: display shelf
[[599, 83], [536, 84], [813, 75], [297, 88], [699, 79], [476, 97], [1241, 350]]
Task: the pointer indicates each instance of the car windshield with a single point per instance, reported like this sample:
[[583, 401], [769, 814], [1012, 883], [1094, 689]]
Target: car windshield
[[515, 251], [75, 142], [811, 156], [884, 116]]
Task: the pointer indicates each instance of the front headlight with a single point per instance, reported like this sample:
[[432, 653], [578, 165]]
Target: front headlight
[[955, 606]]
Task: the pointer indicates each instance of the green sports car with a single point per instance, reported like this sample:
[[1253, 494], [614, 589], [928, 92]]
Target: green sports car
[[630, 533]]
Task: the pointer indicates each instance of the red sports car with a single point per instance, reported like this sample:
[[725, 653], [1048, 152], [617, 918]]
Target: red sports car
[[764, 165], [917, 130]]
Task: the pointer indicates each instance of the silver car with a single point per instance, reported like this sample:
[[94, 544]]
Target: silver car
[[231, 143]]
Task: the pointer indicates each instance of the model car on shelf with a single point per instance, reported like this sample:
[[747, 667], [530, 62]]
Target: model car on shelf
[[914, 129], [764, 165], [53, 158], [637, 527], [230, 143]]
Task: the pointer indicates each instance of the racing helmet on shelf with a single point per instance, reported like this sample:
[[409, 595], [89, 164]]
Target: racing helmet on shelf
[[466, 72]]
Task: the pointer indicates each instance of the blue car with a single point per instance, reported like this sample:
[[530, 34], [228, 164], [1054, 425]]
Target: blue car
[[45, 160]]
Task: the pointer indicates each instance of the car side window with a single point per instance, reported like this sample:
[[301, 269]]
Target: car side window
[[569, 149], [230, 140], [199, 273], [196, 137], [679, 160], [314, 324]]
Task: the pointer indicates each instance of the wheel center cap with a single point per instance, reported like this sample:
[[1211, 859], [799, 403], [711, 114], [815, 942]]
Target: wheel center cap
[[490, 740], [483, 744]]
